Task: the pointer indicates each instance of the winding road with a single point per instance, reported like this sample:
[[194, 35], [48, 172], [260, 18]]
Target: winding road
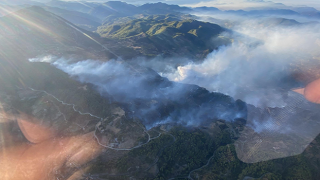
[[100, 118]]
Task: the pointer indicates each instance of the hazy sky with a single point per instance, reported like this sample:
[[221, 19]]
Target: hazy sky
[[238, 4], [223, 4]]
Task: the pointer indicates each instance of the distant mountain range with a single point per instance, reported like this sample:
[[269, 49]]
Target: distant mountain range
[[103, 9], [96, 13], [91, 15]]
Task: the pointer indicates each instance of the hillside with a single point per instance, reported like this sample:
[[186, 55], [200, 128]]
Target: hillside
[[82, 20], [34, 31], [84, 7], [166, 35], [115, 8], [6, 9], [161, 8]]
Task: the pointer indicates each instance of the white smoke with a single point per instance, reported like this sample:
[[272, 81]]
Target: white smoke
[[148, 96], [254, 67]]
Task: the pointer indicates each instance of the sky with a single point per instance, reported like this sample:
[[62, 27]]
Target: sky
[[223, 4], [240, 4]]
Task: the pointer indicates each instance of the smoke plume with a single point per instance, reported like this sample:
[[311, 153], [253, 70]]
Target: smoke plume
[[258, 66], [146, 95]]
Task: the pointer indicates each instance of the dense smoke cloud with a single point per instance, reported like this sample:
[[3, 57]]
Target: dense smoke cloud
[[146, 95], [258, 65]]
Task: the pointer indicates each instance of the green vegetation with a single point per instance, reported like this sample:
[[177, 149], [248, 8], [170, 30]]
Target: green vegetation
[[194, 152], [168, 35], [190, 150], [153, 25]]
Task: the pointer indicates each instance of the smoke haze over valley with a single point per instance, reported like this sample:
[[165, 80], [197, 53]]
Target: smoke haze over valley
[[150, 97], [142, 90]]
